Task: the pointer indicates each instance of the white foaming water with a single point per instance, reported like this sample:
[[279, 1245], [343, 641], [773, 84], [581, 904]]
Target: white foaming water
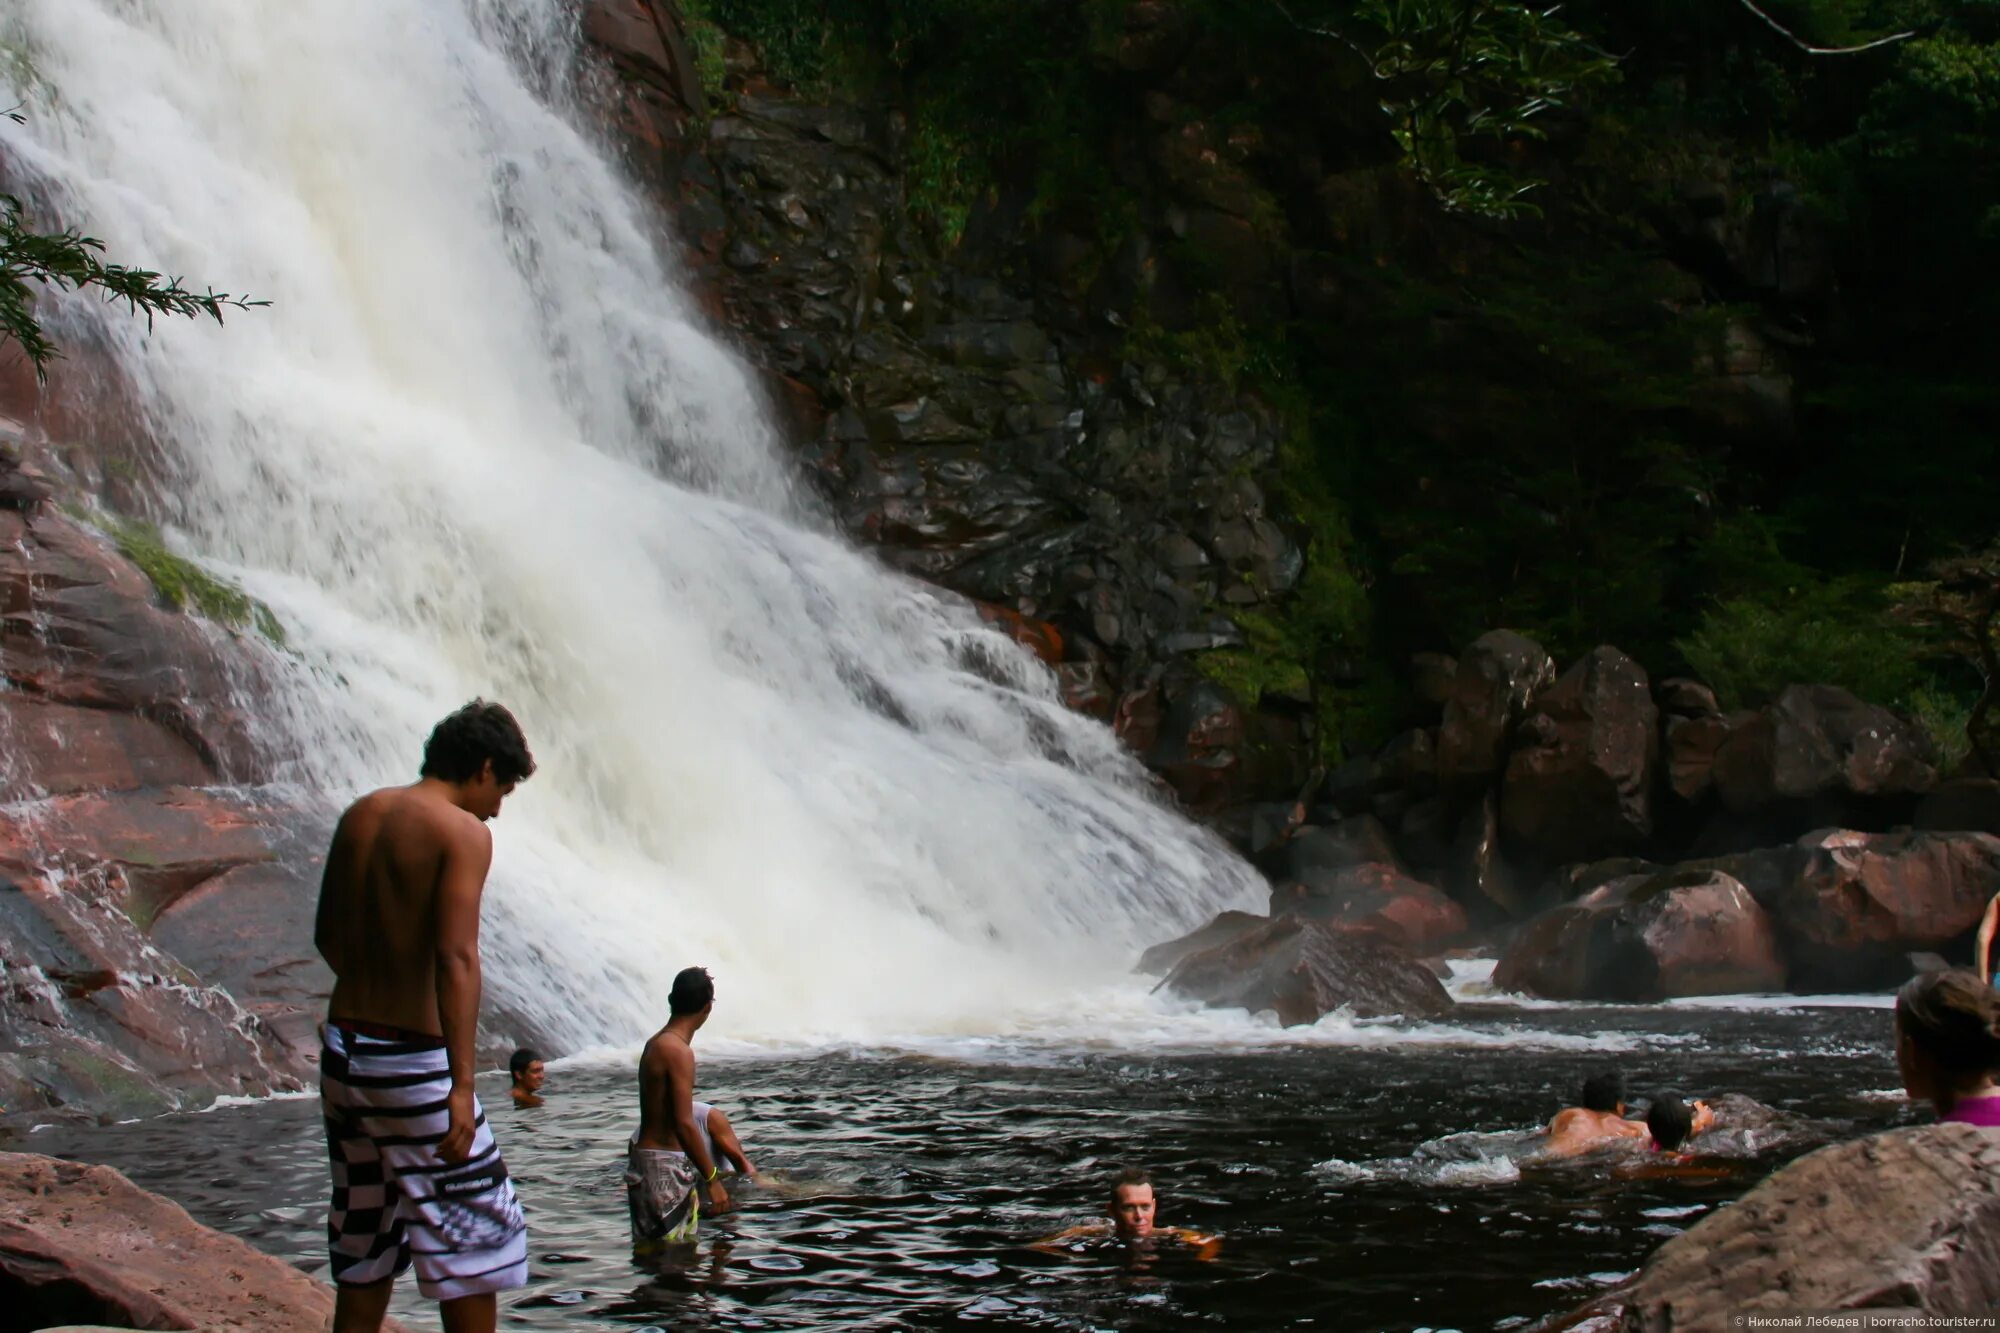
[[480, 444]]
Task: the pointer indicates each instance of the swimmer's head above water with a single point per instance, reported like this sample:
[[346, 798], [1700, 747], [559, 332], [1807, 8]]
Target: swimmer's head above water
[[1605, 1092], [1132, 1206], [1671, 1121], [526, 1069]]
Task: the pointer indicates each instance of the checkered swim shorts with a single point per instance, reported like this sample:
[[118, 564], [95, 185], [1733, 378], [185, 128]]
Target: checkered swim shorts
[[395, 1200]]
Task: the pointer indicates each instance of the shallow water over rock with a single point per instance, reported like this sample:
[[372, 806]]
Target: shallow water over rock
[[1374, 1185]]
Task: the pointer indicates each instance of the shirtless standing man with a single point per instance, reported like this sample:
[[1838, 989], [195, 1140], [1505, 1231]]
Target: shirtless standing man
[[416, 1173], [669, 1165]]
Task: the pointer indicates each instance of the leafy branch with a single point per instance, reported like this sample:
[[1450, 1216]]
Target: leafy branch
[[70, 261]]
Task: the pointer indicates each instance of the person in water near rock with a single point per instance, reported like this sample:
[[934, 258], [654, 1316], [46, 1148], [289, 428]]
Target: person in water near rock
[[525, 1067], [417, 1177], [1948, 1045], [670, 1164], [1671, 1122], [1600, 1120], [1131, 1216]]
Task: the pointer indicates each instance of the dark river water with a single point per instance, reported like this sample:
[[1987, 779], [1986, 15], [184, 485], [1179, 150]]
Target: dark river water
[[1356, 1186]]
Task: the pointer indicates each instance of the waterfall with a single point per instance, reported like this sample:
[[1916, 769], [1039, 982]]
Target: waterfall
[[482, 444]]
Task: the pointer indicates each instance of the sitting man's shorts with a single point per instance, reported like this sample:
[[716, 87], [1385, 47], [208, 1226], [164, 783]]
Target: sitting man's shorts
[[395, 1200], [659, 1190]]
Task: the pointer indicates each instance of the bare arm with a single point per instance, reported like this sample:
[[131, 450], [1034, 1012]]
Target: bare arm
[[468, 855], [679, 1060], [727, 1143], [1989, 925], [339, 870]]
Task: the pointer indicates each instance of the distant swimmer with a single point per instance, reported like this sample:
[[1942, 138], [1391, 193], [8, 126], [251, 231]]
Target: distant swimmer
[[1131, 1217], [1948, 1045], [1671, 1122], [417, 1177], [1600, 1120], [526, 1069], [670, 1164]]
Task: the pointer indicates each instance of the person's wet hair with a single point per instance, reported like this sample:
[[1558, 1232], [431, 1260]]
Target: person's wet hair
[[1670, 1119], [1604, 1092], [693, 989], [1130, 1176], [462, 744], [1953, 1018], [518, 1062]]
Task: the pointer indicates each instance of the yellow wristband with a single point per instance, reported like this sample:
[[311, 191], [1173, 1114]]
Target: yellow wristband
[[712, 1173]]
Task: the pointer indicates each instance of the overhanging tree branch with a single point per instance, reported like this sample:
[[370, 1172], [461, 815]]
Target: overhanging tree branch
[[1812, 50]]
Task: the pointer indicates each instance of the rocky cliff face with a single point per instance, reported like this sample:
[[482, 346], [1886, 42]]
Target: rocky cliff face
[[980, 415]]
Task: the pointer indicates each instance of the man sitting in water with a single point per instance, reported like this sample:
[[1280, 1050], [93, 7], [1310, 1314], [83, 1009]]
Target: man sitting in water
[[1600, 1120], [670, 1162], [525, 1067], [1131, 1214]]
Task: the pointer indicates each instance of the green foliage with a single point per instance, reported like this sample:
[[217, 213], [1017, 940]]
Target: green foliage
[[1836, 632], [67, 260], [707, 38], [186, 586]]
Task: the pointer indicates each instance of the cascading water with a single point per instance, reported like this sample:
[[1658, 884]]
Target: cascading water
[[480, 445]]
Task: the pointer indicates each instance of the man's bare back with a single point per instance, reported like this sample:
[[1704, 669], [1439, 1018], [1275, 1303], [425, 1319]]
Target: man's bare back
[[379, 899], [1578, 1130]]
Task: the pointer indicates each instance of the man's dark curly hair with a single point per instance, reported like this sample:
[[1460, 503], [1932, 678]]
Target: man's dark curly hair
[[461, 744]]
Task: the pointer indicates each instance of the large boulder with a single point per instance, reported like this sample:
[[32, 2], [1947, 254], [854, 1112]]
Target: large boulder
[[1495, 679], [1227, 926], [1692, 745], [1966, 804], [1579, 783], [1818, 741], [1903, 1221], [82, 1243], [1647, 937], [1859, 902], [1303, 970], [1377, 895]]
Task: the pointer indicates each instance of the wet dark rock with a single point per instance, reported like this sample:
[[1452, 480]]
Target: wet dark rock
[[1903, 1221], [1816, 740], [1378, 895], [1496, 678], [1680, 697], [1579, 782], [1692, 744], [1646, 938], [1304, 970], [1965, 804], [1858, 902], [1227, 927]]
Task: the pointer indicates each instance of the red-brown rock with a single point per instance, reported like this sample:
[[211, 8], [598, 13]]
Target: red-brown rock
[[1496, 678], [1817, 740], [1901, 1222], [1037, 636], [1580, 780], [1162, 958], [1647, 937], [84, 1243], [1380, 897], [1858, 902], [1304, 970], [1692, 745]]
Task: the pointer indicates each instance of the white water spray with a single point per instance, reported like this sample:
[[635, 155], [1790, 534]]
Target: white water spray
[[479, 444]]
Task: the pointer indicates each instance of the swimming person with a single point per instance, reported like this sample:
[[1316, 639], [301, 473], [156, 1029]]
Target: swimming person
[[417, 1176], [1599, 1120], [1132, 1214], [669, 1163], [526, 1069], [1948, 1045]]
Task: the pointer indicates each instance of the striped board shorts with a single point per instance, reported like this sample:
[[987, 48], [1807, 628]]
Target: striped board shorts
[[395, 1201]]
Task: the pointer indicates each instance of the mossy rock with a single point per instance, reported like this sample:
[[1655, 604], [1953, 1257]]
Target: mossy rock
[[186, 586]]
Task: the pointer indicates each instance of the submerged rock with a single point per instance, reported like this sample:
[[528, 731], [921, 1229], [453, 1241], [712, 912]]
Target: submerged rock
[[1304, 970], [1908, 1220], [83, 1243]]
